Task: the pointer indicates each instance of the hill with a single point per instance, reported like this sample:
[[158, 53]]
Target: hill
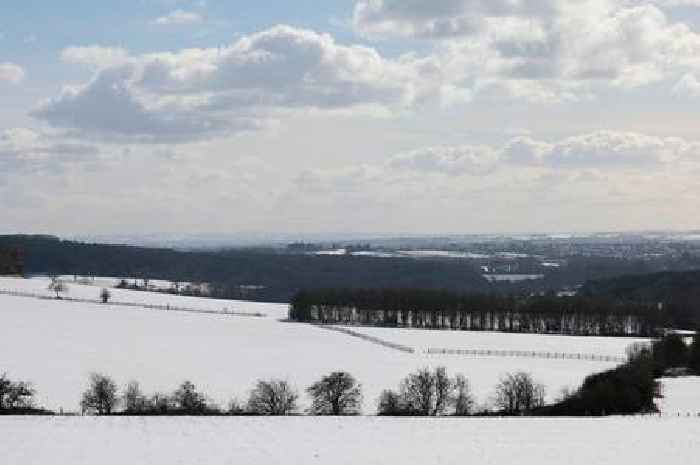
[[274, 275]]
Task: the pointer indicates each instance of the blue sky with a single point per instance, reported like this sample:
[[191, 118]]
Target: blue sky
[[442, 116], [56, 25]]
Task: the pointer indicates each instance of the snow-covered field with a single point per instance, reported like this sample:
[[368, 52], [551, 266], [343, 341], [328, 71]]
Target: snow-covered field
[[84, 291], [339, 441], [422, 339], [56, 344], [681, 396]]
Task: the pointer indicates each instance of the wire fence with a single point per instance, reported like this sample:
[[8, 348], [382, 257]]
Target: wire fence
[[372, 339], [166, 307], [526, 354]]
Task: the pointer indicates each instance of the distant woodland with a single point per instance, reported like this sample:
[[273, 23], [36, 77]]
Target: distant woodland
[[277, 275], [678, 293]]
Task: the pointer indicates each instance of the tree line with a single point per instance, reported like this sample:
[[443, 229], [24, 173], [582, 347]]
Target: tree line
[[441, 309], [425, 392], [337, 393]]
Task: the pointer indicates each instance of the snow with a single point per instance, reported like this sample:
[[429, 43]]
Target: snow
[[513, 278], [681, 396], [441, 254], [422, 339], [332, 252], [84, 291], [341, 441], [56, 344]]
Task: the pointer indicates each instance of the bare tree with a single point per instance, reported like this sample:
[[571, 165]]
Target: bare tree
[[101, 395], [58, 286], [336, 394], [160, 403], [518, 393], [21, 396], [235, 407], [462, 399], [134, 400], [427, 393], [274, 397], [188, 400], [443, 390], [391, 404], [105, 295], [418, 391], [5, 385], [15, 395]]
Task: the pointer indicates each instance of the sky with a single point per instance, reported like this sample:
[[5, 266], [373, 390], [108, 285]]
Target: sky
[[353, 116]]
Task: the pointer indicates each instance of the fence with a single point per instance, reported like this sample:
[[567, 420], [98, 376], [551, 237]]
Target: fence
[[526, 354], [167, 307], [372, 339]]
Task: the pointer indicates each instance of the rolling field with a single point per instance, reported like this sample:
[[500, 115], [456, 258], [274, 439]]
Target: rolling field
[[56, 344]]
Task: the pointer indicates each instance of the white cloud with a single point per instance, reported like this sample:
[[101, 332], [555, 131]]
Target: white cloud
[[618, 179], [600, 150], [108, 106], [12, 73], [452, 161], [598, 180], [609, 149], [542, 50], [179, 17], [198, 92], [95, 55], [440, 18], [668, 3]]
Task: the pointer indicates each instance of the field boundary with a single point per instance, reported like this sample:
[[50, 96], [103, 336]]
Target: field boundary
[[372, 339], [167, 307], [525, 354]]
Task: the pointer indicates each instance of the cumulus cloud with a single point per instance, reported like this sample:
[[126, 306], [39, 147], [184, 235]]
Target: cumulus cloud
[[453, 161], [615, 177], [108, 106], [602, 151], [179, 17], [609, 149], [10, 72], [542, 50], [441, 18], [198, 92]]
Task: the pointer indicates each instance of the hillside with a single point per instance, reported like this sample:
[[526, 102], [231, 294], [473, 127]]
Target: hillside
[[276, 276], [677, 292], [158, 348]]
